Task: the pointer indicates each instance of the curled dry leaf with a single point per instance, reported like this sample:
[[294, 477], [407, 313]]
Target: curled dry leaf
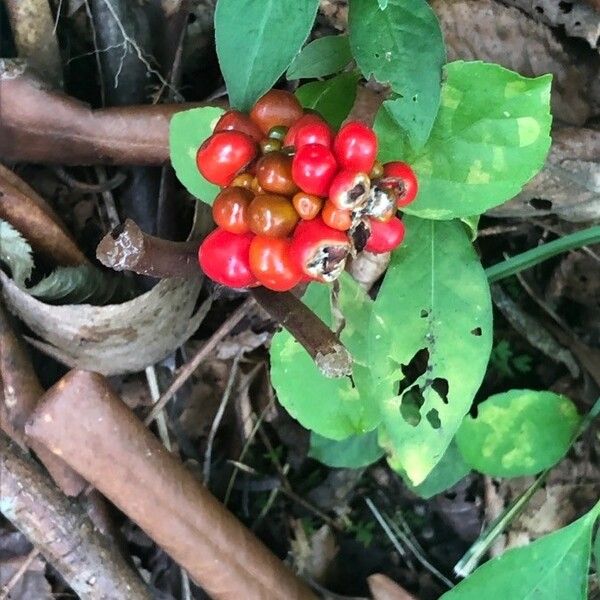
[[113, 339], [569, 184], [30, 214], [42, 125], [577, 17], [487, 30]]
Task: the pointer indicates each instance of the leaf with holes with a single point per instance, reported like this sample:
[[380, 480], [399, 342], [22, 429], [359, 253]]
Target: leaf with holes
[[520, 432], [333, 408], [323, 56], [257, 41], [188, 130], [491, 136], [554, 567], [15, 252], [430, 338], [352, 453], [401, 44], [449, 471], [332, 99]]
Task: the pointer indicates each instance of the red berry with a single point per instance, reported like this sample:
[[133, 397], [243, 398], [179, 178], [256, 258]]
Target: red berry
[[349, 190], [276, 107], [234, 120], [313, 169], [385, 236], [314, 133], [224, 257], [355, 147], [272, 264], [230, 209], [335, 217], [223, 155], [308, 119], [400, 177], [319, 250]]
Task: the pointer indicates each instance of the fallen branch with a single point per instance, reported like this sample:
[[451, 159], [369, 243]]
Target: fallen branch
[[113, 450], [20, 391], [28, 212], [129, 248], [62, 532], [42, 125]]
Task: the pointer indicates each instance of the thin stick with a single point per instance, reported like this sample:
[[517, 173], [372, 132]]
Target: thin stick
[[386, 528], [187, 369], [219, 417], [10, 584]]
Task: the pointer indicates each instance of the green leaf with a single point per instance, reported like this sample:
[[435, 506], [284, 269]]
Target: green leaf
[[597, 554], [554, 567], [188, 130], [75, 285], [352, 453], [324, 56], [450, 470], [433, 310], [256, 42], [491, 136], [332, 99], [520, 432], [382, 4], [333, 408], [401, 44], [15, 252]]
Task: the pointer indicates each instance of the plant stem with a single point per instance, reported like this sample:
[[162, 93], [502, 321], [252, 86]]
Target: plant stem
[[530, 258]]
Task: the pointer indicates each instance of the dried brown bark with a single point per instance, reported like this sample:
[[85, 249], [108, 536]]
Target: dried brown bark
[[113, 450], [20, 392], [62, 531], [28, 212], [42, 125]]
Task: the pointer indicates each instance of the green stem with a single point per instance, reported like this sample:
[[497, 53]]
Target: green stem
[[526, 260]]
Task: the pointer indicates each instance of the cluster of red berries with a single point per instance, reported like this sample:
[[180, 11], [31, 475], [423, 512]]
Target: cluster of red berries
[[296, 198]]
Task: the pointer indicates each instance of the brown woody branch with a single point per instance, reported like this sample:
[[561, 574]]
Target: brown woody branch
[[42, 125], [62, 531], [112, 449], [128, 247], [20, 391]]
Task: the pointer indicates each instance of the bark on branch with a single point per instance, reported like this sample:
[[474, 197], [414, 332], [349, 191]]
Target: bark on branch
[[113, 450], [62, 531]]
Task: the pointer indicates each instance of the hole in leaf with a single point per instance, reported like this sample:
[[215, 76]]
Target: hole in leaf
[[539, 10], [192, 17], [440, 386], [377, 54], [477, 331], [424, 313], [540, 204], [450, 495], [577, 24], [414, 98], [410, 409], [416, 367], [565, 7], [433, 416]]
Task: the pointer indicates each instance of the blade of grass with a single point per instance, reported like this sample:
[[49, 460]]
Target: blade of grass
[[530, 258]]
